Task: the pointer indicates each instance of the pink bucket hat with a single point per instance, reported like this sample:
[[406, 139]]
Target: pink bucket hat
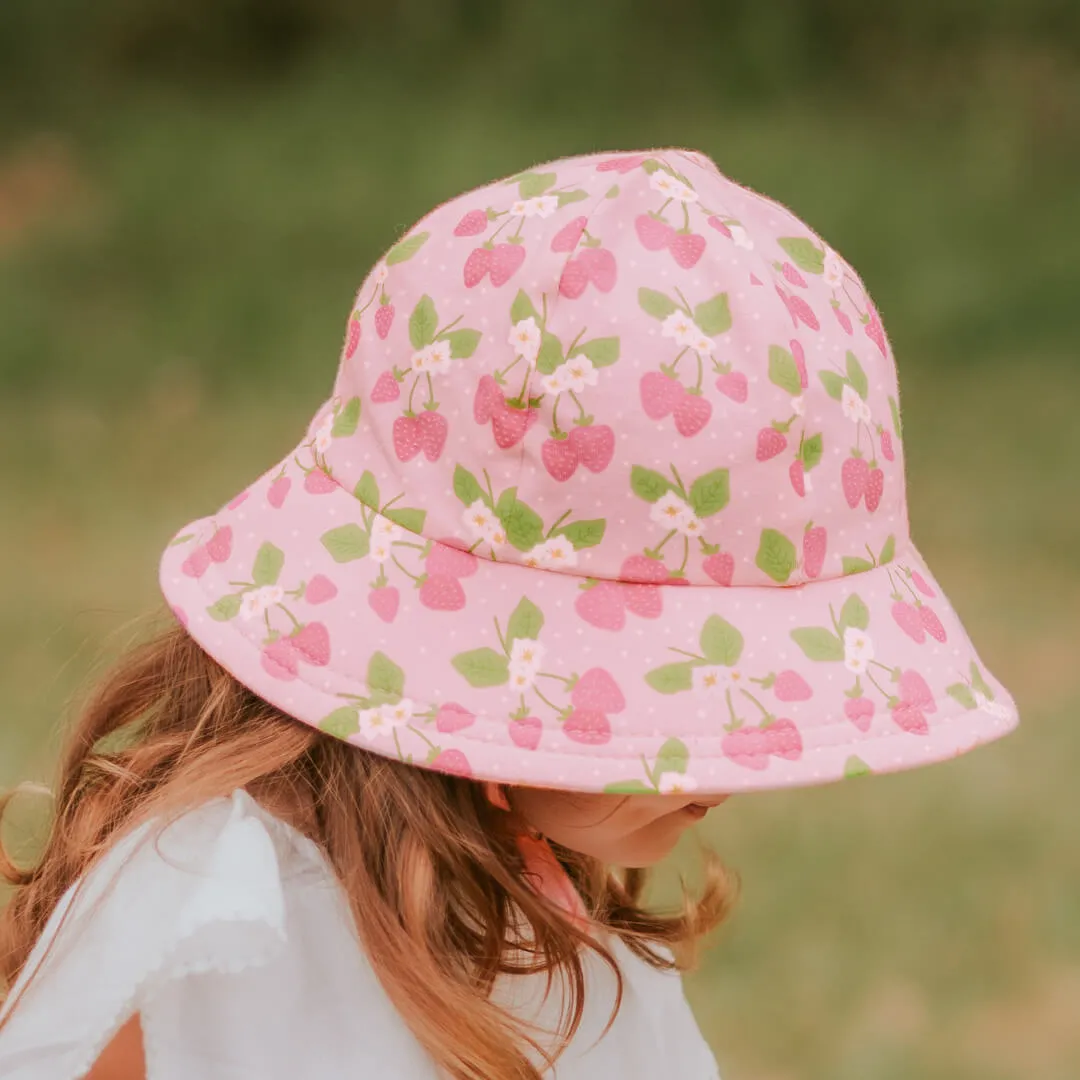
[[609, 496]]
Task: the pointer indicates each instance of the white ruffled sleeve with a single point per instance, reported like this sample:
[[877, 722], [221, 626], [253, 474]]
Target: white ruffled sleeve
[[202, 896]]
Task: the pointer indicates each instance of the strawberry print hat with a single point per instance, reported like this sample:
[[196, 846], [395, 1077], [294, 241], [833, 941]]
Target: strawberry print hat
[[609, 496]]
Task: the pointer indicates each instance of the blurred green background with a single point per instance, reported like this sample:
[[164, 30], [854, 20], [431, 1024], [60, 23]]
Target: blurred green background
[[190, 192]]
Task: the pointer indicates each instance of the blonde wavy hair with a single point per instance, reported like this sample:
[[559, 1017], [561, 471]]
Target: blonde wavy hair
[[431, 868]]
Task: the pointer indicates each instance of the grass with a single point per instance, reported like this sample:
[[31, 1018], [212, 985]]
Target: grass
[[171, 305]]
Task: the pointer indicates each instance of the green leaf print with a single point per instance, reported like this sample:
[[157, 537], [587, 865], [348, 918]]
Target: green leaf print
[[346, 543], [367, 490], [714, 316], [628, 787], [341, 723], [854, 613], [855, 767], [526, 621], [180, 539], [482, 667], [852, 564], [812, 449], [522, 308], [524, 526], [462, 342], [423, 322], [656, 303], [671, 678], [818, 643], [531, 184], [720, 642], [407, 517], [268, 563], [550, 355], [709, 494], [648, 484], [895, 409], [406, 249], [834, 384], [783, 371], [776, 555], [467, 488], [228, 607], [602, 351], [672, 757], [804, 253], [567, 197], [856, 375], [962, 693], [383, 674], [888, 550], [345, 422], [583, 534], [980, 683]]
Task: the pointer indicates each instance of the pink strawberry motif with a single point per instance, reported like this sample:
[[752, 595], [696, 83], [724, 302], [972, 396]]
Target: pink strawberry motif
[[505, 262], [445, 558], [477, 266], [275, 494], [574, 279], [352, 339], [792, 275], [621, 164], [746, 746], [238, 500], [887, 451], [219, 546], [488, 399], [815, 543], [755, 280], [922, 585], [733, 385], [932, 623], [312, 643], [911, 719], [854, 477], [642, 569], [914, 690], [660, 394], [597, 690], [384, 319], [566, 239], [798, 477], [509, 425], [860, 711], [770, 442], [875, 488], [384, 602], [559, 458], [452, 717], [602, 606], [317, 482], [441, 592], [799, 357], [320, 589], [719, 226], [842, 318], [644, 601], [782, 739], [386, 388], [687, 248], [791, 686], [873, 329], [600, 265], [453, 762], [526, 731], [692, 413], [472, 224], [587, 726], [197, 563], [799, 309], [280, 660], [720, 567], [653, 233], [408, 437], [594, 445], [909, 620], [433, 429]]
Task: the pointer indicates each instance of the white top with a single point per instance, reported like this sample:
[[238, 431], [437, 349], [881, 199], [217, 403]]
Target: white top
[[232, 937]]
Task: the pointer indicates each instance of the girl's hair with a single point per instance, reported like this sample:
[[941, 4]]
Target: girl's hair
[[431, 869]]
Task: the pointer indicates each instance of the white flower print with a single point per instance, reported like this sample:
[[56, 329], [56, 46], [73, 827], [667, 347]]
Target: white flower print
[[710, 679], [525, 340], [433, 358], [833, 269], [379, 550], [670, 510], [324, 435], [385, 529], [667, 185], [255, 602], [373, 723], [808, 483], [496, 535], [738, 234], [556, 382], [690, 526], [851, 403], [992, 708], [702, 344], [522, 676], [681, 327], [398, 714], [527, 653], [541, 206], [673, 783], [798, 405], [479, 519], [858, 650], [579, 373], [555, 552]]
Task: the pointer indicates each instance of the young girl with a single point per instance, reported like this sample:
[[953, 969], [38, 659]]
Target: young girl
[[604, 521]]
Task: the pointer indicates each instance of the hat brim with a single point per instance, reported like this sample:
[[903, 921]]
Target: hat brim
[[693, 688]]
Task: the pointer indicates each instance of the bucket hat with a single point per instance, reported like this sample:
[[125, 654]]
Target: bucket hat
[[609, 496]]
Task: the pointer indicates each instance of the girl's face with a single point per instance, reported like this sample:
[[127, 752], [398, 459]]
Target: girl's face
[[624, 830]]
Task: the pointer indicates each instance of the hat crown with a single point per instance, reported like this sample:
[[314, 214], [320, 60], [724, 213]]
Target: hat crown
[[623, 367]]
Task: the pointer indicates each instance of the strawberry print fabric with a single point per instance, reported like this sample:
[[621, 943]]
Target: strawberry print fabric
[[609, 495]]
